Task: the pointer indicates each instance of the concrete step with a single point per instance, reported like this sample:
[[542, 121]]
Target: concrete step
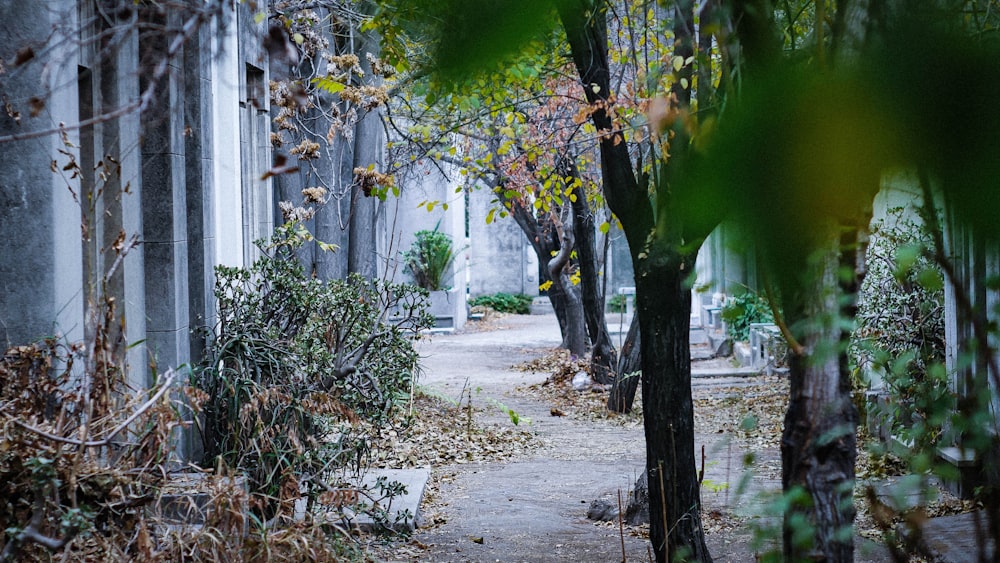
[[404, 509], [724, 372], [541, 305]]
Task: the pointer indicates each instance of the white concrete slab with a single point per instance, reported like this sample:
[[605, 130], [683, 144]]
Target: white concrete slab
[[414, 481]]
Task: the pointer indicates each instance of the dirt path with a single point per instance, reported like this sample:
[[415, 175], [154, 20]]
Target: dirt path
[[534, 509]]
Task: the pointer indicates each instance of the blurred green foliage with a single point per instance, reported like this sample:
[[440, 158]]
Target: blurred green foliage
[[501, 302], [744, 309]]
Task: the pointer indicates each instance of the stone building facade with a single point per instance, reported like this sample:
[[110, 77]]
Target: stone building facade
[[182, 176]]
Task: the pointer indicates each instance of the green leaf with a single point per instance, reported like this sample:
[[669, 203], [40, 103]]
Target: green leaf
[[481, 35], [326, 246], [605, 227], [328, 85], [930, 279], [906, 257]]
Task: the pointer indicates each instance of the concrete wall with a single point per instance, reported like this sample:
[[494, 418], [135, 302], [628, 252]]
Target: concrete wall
[[226, 169], [179, 181], [41, 267], [619, 266], [500, 257], [404, 217]]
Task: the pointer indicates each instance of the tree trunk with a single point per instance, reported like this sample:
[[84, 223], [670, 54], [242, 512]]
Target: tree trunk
[[818, 447], [663, 304], [575, 335], [542, 233], [628, 373], [664, 308], [602, 352]]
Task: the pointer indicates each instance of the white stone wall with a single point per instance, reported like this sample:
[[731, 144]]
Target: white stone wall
[[226, 149], [500, 257], [405, 216]]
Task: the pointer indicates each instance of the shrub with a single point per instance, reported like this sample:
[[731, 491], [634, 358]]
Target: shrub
[[900, 324], [504, 302], [82, 454], [618, 303], [430, 258], [740, 311], [295, 364]]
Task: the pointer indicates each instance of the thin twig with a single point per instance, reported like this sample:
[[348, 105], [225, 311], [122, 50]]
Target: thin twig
[[621, 526], [170, 375], [139, 105]]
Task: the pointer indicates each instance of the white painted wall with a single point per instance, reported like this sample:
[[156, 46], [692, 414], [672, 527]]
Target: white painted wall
[[67, 259], [226, 148], [404, 218]]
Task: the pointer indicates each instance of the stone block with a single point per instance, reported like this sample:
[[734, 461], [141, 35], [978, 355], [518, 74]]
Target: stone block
[[448, 308], [166, 285], [187, 501], [767, 347], [402, 511], [541, 305]]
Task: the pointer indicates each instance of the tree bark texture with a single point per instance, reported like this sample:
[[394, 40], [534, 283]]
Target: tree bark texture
[[818, 447], [663, 305], [628, 372], [575, 335], [602, 353], [664, 308], [541, 233]]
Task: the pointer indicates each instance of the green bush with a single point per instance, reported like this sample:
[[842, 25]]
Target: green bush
[[900, 326], [504, 302], [297, 367], [618, 303], [740, 311], [430, 258]]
